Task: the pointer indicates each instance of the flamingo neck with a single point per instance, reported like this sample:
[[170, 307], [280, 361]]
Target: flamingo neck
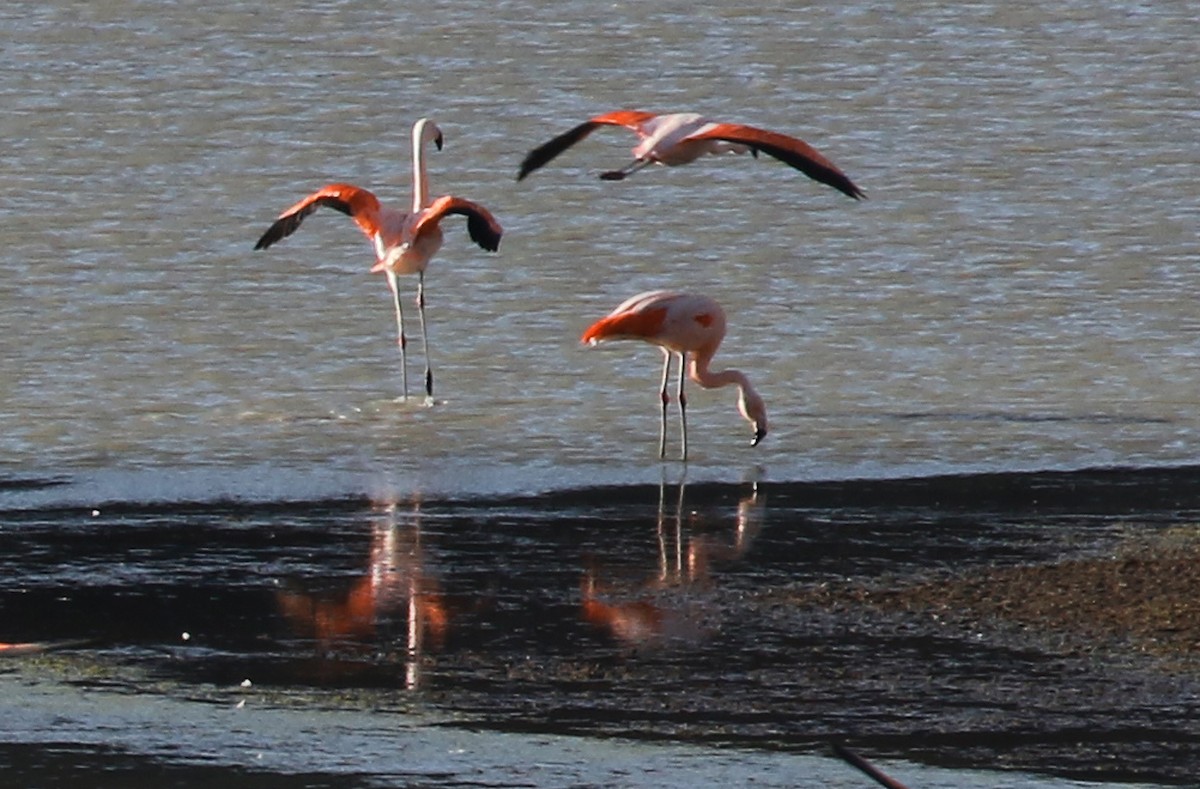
[[709, 379], [420, 179], [750, 403]]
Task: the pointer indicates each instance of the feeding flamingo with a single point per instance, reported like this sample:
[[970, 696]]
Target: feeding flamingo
[[682, 137], [404, 242], [681, 324]]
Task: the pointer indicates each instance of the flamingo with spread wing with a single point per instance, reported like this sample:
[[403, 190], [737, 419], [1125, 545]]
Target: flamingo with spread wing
[[682, 137], [404, 243]]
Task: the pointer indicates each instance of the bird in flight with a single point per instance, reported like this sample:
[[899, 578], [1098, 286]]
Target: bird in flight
[[404, 243], [689, 326], [682, 137]]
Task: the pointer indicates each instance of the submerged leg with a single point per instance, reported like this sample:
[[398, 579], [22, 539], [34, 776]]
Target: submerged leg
[[401, 340], [629, 169], [664, 398], [424, 337], [682, 407]]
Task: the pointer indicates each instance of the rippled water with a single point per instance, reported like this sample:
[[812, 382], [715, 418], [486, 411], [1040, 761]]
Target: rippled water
[[1017, 294]]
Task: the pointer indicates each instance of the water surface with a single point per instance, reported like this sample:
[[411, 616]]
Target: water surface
[[1016, 293], [1016, 296]]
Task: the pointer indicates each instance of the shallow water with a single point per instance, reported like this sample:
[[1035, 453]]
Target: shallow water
[[655, 623], [1016, 292], [1016, 295]]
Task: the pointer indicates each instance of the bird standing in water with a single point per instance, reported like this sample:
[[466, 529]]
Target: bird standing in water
[[684, 325], [404, 243]]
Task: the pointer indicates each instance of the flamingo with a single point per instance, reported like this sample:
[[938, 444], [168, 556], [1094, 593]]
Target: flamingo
[[404, 242], [681, 324], [682, 137]]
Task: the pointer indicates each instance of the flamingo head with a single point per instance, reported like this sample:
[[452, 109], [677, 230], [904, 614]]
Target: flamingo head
[[755, 411], [425, 131]]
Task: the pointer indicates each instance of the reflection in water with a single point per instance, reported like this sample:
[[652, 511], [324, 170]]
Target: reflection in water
[[666, 607], [397, 582], [20, 649]]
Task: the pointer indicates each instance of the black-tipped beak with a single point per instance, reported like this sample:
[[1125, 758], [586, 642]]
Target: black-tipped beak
[[759, 434], [438, 141]]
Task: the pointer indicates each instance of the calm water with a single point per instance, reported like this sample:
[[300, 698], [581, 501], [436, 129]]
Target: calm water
[[634, 636], [1017, 294]]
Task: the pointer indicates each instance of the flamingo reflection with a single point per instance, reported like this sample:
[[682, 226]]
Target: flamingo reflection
[[663, 608], [397, 582], [23, 648]]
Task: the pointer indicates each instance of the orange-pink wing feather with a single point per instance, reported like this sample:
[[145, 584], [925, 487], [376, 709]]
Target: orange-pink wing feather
[[643, 324], [482, 227], [357, 203], [630, 119], [789, 150]]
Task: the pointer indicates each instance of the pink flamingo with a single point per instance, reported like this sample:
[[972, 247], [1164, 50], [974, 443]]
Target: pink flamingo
[[681, 324], [682, 137], [404, 242]]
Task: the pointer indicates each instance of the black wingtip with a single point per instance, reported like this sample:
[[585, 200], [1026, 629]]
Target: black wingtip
[[543, 154], [820, 172], [483, 233], [273, 234], [838, 180]]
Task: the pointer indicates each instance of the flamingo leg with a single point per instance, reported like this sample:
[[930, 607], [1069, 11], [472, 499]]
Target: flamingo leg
[[424, 337], [662, 525], [401, 340], [627, 170], [682, 406], [664, 398]]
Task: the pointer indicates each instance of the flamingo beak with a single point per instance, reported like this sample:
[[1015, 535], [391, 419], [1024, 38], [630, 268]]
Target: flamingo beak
[[759, 434]]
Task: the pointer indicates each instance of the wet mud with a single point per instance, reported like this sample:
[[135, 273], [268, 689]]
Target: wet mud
[[1038, 622]]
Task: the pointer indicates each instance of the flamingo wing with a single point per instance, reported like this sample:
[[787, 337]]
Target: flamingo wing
[[543, 154], [789, 150], [355, 202], [641, 317], [482, 227]]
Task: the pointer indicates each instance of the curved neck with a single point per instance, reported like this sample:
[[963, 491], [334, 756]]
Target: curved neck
[[420, 182], [699, 372], [750, 404]]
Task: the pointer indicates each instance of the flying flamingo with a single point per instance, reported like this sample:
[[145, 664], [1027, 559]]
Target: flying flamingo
[[681, 324], [404, 242], [682, 137]]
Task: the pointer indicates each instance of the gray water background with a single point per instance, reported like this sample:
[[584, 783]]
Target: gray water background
[[1018, 292]]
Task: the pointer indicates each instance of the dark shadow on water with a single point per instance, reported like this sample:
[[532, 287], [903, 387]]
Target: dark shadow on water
[[656, 613], [100, 767]]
